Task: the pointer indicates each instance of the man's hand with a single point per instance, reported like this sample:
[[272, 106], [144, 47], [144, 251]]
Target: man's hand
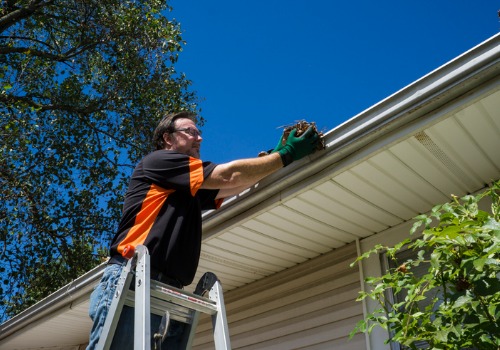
[[302, 126], [281, 143], [298, 147], [233, 177]]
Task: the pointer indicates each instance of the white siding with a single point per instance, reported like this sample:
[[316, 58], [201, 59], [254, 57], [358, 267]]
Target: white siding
[[309, 306]]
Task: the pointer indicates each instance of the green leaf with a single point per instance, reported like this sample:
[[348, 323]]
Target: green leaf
[[479, 263], [442, 335], [435, 259], [462, 301], [451, 232]]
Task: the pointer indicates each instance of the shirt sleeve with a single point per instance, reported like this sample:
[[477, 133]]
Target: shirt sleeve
[[173, 170]]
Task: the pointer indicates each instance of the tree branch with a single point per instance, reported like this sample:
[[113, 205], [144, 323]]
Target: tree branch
[[12, 100], [34, 52], [75, 51], [24, 38], [19, 14]]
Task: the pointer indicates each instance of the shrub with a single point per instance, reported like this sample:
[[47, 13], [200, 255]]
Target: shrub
[[456, 303]]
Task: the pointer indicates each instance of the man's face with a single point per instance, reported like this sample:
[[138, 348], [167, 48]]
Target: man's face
[[185, 139]]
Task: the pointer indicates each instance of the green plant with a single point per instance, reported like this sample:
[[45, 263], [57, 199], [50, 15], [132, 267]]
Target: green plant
[[456, 303]]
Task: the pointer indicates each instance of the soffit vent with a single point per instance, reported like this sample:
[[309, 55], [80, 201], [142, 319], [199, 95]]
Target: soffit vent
[[442, 157]]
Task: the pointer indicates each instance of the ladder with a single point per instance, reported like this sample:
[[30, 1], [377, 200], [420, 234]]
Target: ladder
[[166, 301]]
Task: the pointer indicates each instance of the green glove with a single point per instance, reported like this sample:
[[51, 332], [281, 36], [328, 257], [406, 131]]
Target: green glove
[[280, 144], [298, 147]]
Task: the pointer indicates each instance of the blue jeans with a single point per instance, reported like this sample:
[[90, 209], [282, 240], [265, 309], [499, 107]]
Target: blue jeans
[[100, 302]]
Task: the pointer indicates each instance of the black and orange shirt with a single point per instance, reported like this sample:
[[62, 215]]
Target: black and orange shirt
[[162, 210]]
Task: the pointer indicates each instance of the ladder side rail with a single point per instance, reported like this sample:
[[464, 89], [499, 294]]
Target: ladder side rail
[[190, 330], [115, 308], [219, 320], [142, 314]]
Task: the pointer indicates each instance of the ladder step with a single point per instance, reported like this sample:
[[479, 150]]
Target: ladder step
[[181, 297], [180, 303], [177, 312]]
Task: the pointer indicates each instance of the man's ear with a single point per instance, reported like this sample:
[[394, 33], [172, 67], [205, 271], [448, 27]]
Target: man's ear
[[167, 138]]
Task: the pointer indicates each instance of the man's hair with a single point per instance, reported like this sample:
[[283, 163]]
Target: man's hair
[[167, 126]]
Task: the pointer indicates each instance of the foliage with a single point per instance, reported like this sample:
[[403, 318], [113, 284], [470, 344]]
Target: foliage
[[83, 84], [456, 303]]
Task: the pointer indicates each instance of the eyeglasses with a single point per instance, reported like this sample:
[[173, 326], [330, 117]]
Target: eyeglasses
[[190, 131]]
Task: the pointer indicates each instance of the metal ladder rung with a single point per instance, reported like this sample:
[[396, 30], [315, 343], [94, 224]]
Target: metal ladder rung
[[177, 312], [182, 298]]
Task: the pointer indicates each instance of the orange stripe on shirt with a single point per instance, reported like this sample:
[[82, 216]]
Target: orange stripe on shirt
[[195, 174], [146, 217]]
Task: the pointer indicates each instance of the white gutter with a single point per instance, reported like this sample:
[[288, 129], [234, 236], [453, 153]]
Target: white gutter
[[64, 297], [409, 106]]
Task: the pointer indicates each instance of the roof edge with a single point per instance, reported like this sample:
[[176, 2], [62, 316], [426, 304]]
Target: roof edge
[[56, 301]]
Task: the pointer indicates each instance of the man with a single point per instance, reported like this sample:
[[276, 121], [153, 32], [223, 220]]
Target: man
[[168, 190]]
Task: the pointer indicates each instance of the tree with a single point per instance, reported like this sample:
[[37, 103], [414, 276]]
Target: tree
[[456, 303], [83, 85]]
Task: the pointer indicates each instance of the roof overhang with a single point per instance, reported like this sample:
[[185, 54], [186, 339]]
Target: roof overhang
[[437, 136]]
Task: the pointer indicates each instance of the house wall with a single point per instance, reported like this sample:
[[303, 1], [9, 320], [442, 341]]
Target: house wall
[[309, 306]]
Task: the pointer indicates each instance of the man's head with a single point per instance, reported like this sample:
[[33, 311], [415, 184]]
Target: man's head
[[178, 132]]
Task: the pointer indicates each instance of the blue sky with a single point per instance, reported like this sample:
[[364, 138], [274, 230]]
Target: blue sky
[[259, 65]]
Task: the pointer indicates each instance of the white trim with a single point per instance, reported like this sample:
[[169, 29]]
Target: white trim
[[362, 286]]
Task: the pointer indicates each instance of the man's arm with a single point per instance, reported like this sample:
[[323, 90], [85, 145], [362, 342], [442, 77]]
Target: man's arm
[[233, 177]]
